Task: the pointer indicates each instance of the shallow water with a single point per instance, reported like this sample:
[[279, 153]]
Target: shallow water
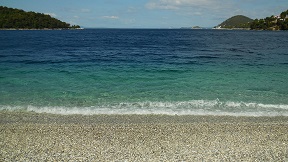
[[125, 71]]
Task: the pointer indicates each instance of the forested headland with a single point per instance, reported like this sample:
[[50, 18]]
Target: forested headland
[[279, 22], [271, 23], [238, 21], [11, 18]]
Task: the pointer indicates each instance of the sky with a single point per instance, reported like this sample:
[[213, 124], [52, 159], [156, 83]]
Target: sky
[[149, 13]]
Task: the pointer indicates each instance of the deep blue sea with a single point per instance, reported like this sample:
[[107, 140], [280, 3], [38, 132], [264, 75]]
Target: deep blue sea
[[145, 71]]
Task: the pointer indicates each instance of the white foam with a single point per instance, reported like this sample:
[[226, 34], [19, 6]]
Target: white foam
[[193, 107]]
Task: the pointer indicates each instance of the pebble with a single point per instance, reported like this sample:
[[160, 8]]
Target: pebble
[[226, 140]]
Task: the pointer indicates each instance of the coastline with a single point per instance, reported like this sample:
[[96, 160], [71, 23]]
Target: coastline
[[32, 136], [15, 117], [231, 28], [42, 29]]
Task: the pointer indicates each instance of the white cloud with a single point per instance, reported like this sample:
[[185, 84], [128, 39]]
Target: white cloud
[[161, 5], [202, 12], [84, 10], [131, 10], [51, 14], [110, 17], [207, 9], [178, 4], [77, 10]]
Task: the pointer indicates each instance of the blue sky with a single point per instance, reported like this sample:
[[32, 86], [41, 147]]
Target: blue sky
[[149, 13]]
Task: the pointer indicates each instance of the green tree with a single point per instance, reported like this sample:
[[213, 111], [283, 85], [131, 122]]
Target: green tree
[[283, 14], [15, 18], [271, 23]]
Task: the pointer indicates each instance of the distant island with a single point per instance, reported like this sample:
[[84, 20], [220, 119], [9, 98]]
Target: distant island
[[269, 23], [194, 27], [11, 18]]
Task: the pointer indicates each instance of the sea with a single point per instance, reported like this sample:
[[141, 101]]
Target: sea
[[144, 71]]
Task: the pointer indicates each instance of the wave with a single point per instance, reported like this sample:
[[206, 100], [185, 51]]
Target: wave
[[193, 107], [206, 57]]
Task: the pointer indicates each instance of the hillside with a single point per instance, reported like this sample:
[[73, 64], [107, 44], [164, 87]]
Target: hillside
[[19, 19], [271, 23], [238, 21]]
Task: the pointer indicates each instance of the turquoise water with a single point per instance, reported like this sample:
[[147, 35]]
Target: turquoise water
[[121, 71]]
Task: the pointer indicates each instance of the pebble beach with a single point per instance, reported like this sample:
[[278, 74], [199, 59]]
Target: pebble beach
[[27, 136]]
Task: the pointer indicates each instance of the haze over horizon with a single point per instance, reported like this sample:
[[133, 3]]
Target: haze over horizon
[[149, 13]]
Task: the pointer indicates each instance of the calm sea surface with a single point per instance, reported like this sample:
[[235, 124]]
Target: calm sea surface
[[121, 71]]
